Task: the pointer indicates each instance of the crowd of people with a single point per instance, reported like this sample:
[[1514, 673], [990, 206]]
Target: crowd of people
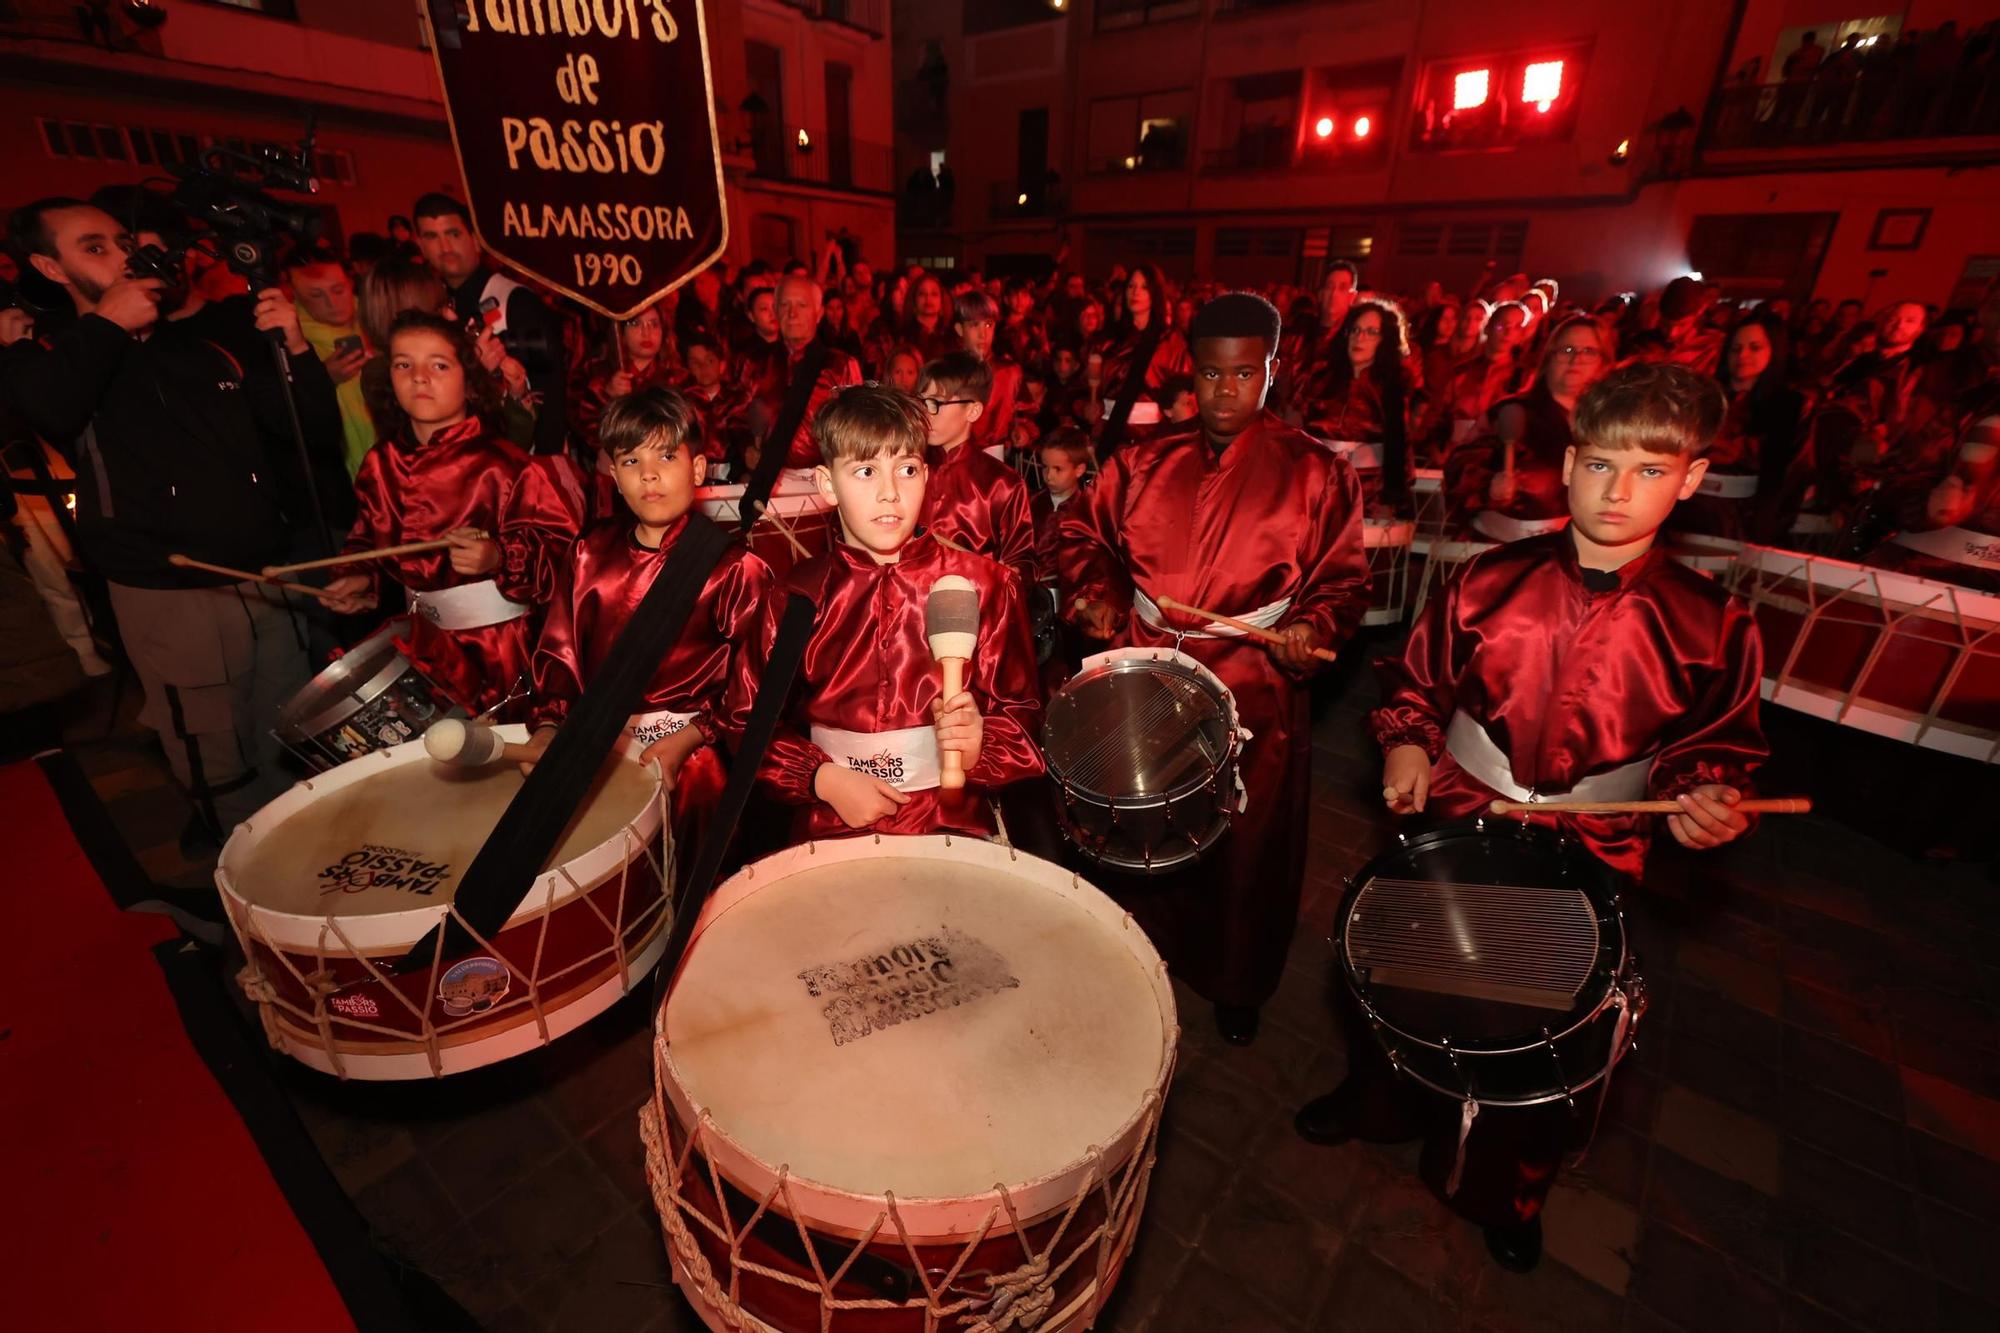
[[1129, 463]]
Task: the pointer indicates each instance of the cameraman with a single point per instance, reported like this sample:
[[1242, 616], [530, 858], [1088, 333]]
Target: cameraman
[[176, 442], [506, 310]]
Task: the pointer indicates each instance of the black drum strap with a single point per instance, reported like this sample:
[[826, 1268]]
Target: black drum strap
[[521, 843], [1113, 434], [778, 444]]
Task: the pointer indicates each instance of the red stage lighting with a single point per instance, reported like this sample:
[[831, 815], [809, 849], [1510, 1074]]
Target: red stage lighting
[[1542, 83], [1323, 127], [1469, 89], [1362, 125]]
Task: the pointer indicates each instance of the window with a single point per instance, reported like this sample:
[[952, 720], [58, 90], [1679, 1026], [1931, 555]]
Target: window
[[1499, 101], [1115, 14], [1144, 133], [1463, 240], [1256, 121], [1345, 107], [1761, 254]]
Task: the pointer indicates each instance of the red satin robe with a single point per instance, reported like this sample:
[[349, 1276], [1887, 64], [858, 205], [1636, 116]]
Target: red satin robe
[[599, 587], [1569, 682], [1471, 391], [589, 399], [1276, 515], [1539, 493], [868, 667], [406, 492], [548, 507], [1170, 358], [979, 502], [769, 377], [720, 409], [998, 419], [1046, 511]]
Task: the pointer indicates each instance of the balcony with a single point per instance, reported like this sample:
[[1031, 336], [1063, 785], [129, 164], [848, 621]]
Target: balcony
[[1263, 148], [1876, 107], [804, 156], [869, 16], [1012, 201]]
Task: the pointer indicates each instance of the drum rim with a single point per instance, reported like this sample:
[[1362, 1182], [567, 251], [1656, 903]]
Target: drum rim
[[293, 729], [1150, 659], [1603, 899], [843, 1211], [1223, 821], [377, 933]]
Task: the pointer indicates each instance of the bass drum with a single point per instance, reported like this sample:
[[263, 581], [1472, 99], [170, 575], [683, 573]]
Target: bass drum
[[1490, 961]]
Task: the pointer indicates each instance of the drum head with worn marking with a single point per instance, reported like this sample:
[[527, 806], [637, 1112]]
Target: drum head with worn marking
[[400, 835], [919, 1016]]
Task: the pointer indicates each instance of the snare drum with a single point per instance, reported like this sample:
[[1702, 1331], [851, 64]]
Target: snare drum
[[803, 509], [370, 698], [1490, 962], [1427, 493], [1388, 542], [1904, 657], [1142, 744], [334, 881], [907, 1084]]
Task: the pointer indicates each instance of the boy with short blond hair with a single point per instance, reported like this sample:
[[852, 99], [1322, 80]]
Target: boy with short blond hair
[[860, 746]]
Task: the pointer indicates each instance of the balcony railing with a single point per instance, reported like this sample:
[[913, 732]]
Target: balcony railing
[[1874, 107], [869, 16], [792, 153], [1011, 199]]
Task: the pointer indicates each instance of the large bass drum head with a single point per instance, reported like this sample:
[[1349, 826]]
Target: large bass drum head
[[1481, 936]]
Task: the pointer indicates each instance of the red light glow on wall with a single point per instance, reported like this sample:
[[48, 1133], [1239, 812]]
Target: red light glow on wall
[[1469, 89], [1541, 84]]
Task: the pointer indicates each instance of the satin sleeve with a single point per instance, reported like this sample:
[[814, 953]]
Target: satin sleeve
[[375, 521], [1005, 683], [557, 666], [791, 760], [1014, 531], [1333, 564], [1723, 741], [1090, 549], [539, 524], [1419, 688]]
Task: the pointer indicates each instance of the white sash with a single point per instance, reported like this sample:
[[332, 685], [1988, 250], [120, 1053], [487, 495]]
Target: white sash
[[468, 606], [1961, 546], [643, 729], [1360, 454], [1729, 485], [1264, 617], [907, 759], [1145, 412], [1468, 743], [1506, 528]]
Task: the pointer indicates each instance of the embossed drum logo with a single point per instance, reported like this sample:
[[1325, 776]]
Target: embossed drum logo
[[371, 866], [909, 980]]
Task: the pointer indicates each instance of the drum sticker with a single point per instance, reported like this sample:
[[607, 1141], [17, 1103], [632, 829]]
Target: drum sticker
[[372, 866], [354, 1006], [910, 980], [474, 985]]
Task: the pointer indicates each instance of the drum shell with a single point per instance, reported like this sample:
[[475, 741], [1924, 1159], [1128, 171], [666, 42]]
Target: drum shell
[[1569, 1053], [333, 728], [808, 515]]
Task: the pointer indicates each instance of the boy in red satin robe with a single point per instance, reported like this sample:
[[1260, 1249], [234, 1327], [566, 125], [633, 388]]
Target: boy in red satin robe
[[439, 472], [975, 317], [971, 497], [1582, 664], [1251, 519], [860, 745], [652, 439]]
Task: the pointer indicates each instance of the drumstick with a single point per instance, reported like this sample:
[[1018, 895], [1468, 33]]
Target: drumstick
[[379, 553], [949, 544], [244, 575], [951, 623], [1777, 805], [1253, 631], [472, 745], [766, 513]]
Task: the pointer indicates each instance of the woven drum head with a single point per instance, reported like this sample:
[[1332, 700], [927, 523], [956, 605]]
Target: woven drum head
[[925, 1016], [398, 836]]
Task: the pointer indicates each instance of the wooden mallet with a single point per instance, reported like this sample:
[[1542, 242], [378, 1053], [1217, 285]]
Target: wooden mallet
[[1257, 632], [473, 745], [951, 622], [1776, 805]]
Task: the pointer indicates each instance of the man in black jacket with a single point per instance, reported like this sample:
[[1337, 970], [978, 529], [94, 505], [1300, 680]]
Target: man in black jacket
[[510, 311], [178, 444]]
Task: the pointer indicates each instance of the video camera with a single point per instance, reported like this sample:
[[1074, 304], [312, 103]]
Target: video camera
[[225, 189]]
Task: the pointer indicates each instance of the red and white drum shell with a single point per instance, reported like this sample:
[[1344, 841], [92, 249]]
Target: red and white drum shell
[[907, 1084], [1908, 658], [796, 502], [335, 881]]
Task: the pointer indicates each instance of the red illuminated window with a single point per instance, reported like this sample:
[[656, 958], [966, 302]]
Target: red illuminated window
[[1469, 89], [1541, 84]]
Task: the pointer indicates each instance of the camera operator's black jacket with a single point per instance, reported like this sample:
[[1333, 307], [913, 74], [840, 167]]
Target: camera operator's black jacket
[[179, 446], [534, 338]]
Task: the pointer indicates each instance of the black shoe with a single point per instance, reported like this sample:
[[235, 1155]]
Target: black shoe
[[1516, 1247], [1237, 1023], [1323, 1120]]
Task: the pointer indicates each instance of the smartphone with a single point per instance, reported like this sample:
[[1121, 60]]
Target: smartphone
[[347, 346]]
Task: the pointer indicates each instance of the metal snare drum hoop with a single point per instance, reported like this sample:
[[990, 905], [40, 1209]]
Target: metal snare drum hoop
[[1610, 973], [343, 688]]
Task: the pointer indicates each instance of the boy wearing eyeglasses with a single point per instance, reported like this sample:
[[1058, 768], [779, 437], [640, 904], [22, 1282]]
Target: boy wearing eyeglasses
[[972, 499]]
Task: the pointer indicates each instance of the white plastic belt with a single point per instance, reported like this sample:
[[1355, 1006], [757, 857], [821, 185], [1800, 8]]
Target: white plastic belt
[[642, 729], [1506, 528], [1476, 753], [1362, 454], [1145, 411], [1264, 617], [1961, 546], [468, 606], [907, 759], [1729, 485]]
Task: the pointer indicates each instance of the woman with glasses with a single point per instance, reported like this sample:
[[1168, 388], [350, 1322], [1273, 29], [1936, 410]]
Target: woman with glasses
[[1358, 400], [1508, 485], [636, 354]]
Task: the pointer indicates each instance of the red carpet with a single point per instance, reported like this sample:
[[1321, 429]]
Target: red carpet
[[136, 1198]]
